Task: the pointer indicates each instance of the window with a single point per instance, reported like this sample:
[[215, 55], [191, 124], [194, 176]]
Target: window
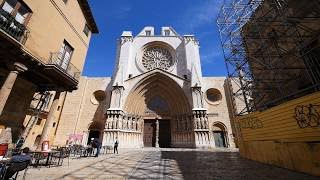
[[39, 121], [58, 109], [18, 10], [9, 5], [86, 30], [47, 101], [213, 95], [148, 33], [65, 55], [22, 14], [54, 124], [167, 32], [65, 1]]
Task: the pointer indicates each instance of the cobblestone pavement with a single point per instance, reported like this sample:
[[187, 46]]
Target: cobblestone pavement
[[166, 164]]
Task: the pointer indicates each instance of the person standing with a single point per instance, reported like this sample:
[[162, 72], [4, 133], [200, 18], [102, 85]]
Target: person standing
[[115, 147], [96, 144]]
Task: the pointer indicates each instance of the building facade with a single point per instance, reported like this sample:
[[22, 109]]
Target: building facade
[[272, 51], [157, 97], [43, 49]]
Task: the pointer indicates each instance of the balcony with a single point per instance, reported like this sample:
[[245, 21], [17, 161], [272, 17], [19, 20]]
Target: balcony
[[56, 59], [13, 28], [52, 76]]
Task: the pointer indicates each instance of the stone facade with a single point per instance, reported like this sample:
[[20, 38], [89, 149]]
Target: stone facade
[[81, 110], [156, 97]]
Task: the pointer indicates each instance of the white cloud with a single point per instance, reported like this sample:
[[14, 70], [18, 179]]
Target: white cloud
[[202, 13], [123, 11]]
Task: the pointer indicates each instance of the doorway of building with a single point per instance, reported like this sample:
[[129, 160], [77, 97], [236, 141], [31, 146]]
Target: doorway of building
[[219, 138], [164, 134], [220, 134], [93, 134], [149, 133]]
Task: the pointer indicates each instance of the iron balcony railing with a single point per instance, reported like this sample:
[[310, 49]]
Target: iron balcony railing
[[12, 27], [57, 59]]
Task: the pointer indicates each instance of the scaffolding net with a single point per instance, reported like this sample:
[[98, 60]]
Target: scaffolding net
[[271, 50]]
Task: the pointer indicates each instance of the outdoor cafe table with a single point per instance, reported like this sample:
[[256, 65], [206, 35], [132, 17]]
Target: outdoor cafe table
[[48, 154]]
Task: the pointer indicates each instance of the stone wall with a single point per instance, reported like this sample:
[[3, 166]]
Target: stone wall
[[37, 128], [218, 110], [82, 111]]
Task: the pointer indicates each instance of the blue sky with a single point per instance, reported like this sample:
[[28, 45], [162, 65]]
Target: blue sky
[[185, 16]]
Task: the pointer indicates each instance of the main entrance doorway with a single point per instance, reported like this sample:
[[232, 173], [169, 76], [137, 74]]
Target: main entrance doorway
[[164, 134], [151, 132]]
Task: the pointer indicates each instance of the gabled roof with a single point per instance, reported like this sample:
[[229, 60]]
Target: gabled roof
[[88, 15]]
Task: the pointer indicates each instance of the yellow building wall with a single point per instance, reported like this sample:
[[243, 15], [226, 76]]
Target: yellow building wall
[[51, 23], [37, 129], [274, 136]]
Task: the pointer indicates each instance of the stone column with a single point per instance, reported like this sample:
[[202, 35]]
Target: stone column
[[85, 138], [50, 118], [157, 133], [8, 84], [120, 121], [130, 122]]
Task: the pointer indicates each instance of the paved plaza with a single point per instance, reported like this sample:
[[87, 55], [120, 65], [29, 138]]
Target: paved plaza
[[166, 164]]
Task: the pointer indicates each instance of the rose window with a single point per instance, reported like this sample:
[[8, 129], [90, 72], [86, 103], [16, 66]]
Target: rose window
[[157, 57]]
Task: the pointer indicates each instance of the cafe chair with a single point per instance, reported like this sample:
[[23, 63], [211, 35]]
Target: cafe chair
[[14, 168]]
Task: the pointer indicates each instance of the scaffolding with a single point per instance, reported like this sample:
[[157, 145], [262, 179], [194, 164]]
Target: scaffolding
[[271, 49]]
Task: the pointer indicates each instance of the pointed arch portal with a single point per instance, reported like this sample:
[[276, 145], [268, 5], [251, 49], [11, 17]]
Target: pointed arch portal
[[162, 88], [162, 103]]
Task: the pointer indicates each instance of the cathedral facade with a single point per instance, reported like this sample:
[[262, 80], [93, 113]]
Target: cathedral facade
[[157, 97]]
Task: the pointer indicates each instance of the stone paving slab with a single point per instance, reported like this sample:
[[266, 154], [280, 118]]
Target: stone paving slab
[[175, 163]]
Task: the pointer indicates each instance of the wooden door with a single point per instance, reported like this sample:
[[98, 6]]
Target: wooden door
[[149, 134], [164, 134]]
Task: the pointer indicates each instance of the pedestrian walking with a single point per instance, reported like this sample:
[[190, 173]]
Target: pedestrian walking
[[115, 147]]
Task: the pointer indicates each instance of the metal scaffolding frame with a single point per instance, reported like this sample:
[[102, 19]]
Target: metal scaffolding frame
[[271, 49]]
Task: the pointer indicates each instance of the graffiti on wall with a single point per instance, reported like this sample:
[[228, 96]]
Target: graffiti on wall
[[251, 123], [308, 115]]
